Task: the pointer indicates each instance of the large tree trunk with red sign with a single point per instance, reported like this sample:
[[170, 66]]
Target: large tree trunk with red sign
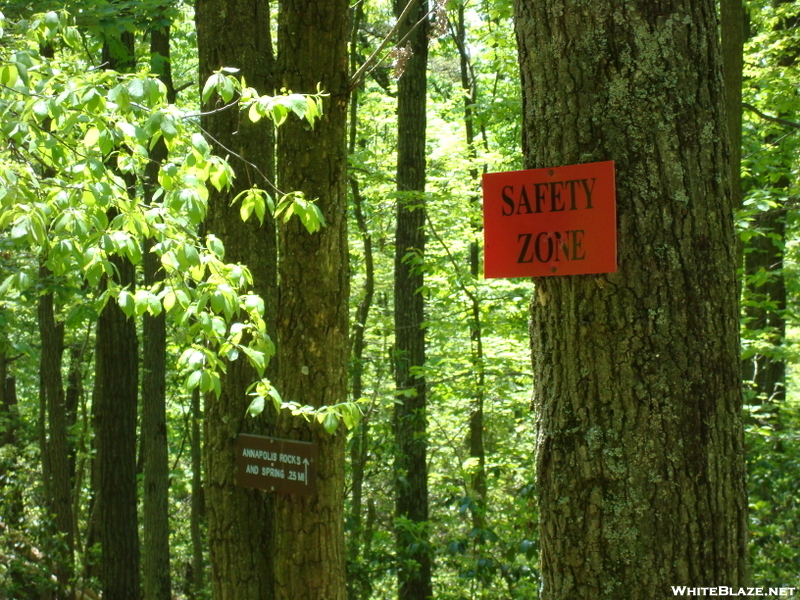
[[639, 464], [240, 521], [312, 320]]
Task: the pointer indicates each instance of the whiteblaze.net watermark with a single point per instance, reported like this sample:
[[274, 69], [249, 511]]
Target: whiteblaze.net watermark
[[722, 590]]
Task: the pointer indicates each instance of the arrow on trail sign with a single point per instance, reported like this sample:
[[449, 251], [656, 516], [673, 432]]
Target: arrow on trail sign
[[276, 465]]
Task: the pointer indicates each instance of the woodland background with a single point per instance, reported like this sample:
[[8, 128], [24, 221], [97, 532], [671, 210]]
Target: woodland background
[[481, 532]]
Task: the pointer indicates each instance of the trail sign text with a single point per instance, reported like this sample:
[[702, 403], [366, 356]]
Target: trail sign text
[[276, 465], [559, 221]]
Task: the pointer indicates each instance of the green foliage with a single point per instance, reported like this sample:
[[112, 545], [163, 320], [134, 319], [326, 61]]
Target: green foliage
[[77, 139], [773, 465]]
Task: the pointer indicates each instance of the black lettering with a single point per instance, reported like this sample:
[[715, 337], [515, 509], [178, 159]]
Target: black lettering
[[539, 196], [508, 200], [525, 244], [562, 245], [588, 190], [555, 196], [523, 199], [572, 199], [537, 247], [577, 241]]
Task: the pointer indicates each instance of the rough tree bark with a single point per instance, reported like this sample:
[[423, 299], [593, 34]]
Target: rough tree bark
[[114, 408], [55, 451], [639, 462], [410, 420], [313, 309], [240, 521]]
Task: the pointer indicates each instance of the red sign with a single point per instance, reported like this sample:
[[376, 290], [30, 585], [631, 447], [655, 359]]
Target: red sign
[[559, 221]]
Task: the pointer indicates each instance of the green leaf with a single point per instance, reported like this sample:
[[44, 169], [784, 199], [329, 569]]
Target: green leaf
[[169, 300], [40, 109], [193, 380], [91, 137], [72, 37], [298, 104], [200, 144], [255, 358], [168, 127], [226, 89], [209, 87], [331, 422], [253, 113], [51, 19], [215, 246], [8, 75], [256, 406], [6, 284], [126, 302], [246, 209], [136, 89]]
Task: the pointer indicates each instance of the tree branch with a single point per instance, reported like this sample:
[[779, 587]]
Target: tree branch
[[767, 117], [362, 70]]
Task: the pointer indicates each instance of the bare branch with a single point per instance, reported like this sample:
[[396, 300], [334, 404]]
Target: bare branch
[[767, 117], [362, 70]]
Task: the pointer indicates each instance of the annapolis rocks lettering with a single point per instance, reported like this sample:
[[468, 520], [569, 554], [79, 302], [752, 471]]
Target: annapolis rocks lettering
[[559, 221], [276, 465]]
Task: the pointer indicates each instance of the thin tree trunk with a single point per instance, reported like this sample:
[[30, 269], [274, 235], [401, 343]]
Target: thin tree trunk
[[476, 426], [155, 548], [358, 584], [11, 508], [197, 512], [639, 463], [732, 28], [55, 469], [313, 319], [74, 392], [410, 420]]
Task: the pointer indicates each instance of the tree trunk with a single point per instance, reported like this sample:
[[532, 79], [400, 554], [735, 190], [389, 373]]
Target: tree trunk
[[240, 520], [313, 319], [639, 464], [477, 450], [358, 580], [11, 509], [55, 469], [155, 548], [732, 23], [114, 406], [195, 584], [410, 420], [114, 409]]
